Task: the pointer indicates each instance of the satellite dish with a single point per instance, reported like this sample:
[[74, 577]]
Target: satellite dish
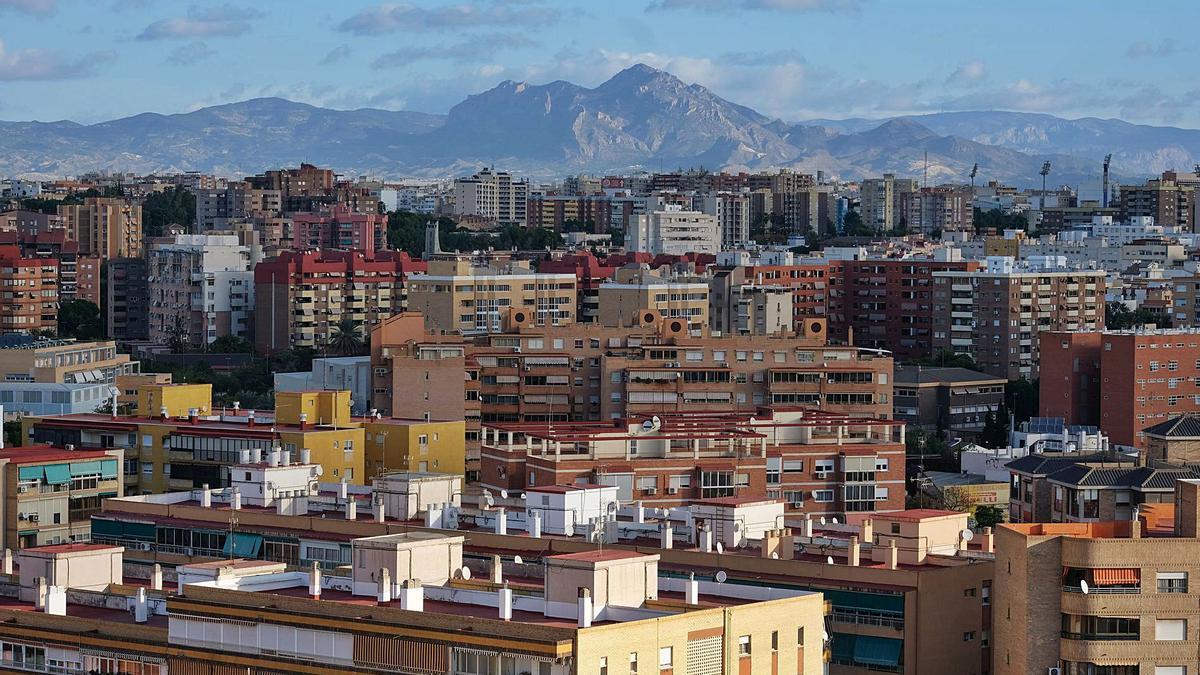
[[504, 494], [489, 501], [320, 470], [720, 547], [774, 556], [829, 560], [665, 513], [648, 425], [721, 576], [833, 520], [822, 520], [824, 636], [1083, 586], [612, 507], [967, 534], [517, 560], [466, 573], [656, 421], [523, 495]]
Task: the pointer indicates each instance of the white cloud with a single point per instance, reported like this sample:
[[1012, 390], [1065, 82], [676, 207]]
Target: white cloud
[[218, 21], [968, 74], [40, 64], [396, 17]]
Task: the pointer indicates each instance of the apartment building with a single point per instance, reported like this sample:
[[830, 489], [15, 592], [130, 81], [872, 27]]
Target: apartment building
[[1108, 596], [339, 228], [30, 223], [808, 209], [46, 360], [29, 296], [455, 296], [594, 213], [881, 205], [744, 297], [732, 212], [886, 303], [105, 227], [299, 189], [1164, 199], [945, 208], [50, 494], [1123, 381], [674, 232], [994, 316], [492, 195], [633, 291], [200, 288], [127, 305], [416, 447], [219, 207], [78, 276], [300, 297], [165, 452], [958, 400]]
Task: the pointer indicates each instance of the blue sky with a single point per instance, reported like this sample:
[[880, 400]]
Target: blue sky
[[91, 60]]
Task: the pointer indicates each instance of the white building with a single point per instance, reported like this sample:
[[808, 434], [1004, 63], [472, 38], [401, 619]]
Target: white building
[[567, 509], [732, 212], [673, 232], [494, 195], [201, 288], [343, 373]]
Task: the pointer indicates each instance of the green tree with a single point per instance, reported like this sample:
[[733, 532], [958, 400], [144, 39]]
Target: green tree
[[80, 319], [988, 516], [853, 226], [998, 220], [1118, 316], [230, 344], [347, 338], [12, 434], [995, 429], [946, 358], [1022, 397], [176, 206], [617, 235]]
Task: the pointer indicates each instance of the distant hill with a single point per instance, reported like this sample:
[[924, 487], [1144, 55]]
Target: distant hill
[[640, 119]]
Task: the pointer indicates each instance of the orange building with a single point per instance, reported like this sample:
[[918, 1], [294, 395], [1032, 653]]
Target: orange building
[[28, 292]]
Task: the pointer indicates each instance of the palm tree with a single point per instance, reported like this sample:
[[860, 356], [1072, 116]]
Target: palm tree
[[347, 338]]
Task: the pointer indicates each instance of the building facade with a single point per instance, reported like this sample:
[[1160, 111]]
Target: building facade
[[455, 296], [105, 227], [673, 232], [200, 289]]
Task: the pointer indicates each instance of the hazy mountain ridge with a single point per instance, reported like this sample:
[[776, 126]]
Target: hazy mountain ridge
[[640, 119]]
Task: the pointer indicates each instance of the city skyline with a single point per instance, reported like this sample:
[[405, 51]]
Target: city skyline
[[791, 59]]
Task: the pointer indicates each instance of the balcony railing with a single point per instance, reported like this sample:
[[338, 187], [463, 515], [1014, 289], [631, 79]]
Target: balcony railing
[[1068, 635], [1104, 590]]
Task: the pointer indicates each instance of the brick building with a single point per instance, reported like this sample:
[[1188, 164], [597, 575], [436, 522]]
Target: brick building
[[339, 228], [1164, 199], [29, 299]]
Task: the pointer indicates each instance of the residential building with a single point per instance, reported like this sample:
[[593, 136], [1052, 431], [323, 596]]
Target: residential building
[[593, 213], [416, 446], [78, 276], [219, 207], [946, 208], [673, 232], [33, 223], [41, 360], [634, 291], [994, 316], [808, 209], [1122, 381], [299, 189], [339, 228], [300, 297], [456, 296], [50, 494], [881, 204], [732, 212], [29, 300], [1107, 596], [201, 288], [105, 227], [127, 305], [130, 385], [339, 373], [957, 400], [1164, 199], [737, 291], [492, 195]]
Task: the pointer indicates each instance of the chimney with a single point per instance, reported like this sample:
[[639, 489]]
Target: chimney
[[193, 415], [285, 458], [237, 499], [237, 405], [305, 456], [351, 509], [256, 455], [496, 570], [205, 497], [383, 593], [706, 540], [343, 489], [806, 529], [380, 510], [303, 421], [273, 456], [433, 517], [250, 418], [691, 590], [505, 600], [314, 581], [535, 524], [666, 535], [8, 561], [639, 513], [156, 578], [855, 551], [243, 456], [893, 554], [164, 414], [141, 610], [39, 596], [988, 540], [501, 521], [787, 544], [412, 595], [585, 608], [770, 543], [867, 531], [56, 600]]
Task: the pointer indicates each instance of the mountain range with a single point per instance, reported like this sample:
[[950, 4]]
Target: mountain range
[[640, 119]]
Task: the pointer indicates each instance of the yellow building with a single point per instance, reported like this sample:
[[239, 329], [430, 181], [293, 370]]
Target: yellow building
[[131, 384], [415, 445], [178, 399], [313, 407]]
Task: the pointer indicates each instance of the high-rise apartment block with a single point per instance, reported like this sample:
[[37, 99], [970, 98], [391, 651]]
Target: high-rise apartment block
[[127, 299], [492, 195], [339, 228], [200, 288], [882, 201], [217, 208], [994, 316], [732, 211], [673, 232], [455, 296], [28, 292], [946, 208], [1164, 199], [105, 227], [807, 209]]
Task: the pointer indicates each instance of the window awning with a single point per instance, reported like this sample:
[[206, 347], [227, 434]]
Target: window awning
[[243, 545], [57, 474], [31, 472], [85, 468], [843, 647], [108, 468], [877, 651], [1115, 577]]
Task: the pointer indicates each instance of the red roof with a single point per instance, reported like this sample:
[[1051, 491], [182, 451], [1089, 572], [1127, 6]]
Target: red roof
[[40, 454], [71, 548], [598, 556], [914, 515]]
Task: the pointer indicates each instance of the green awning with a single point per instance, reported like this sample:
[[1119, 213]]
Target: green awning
[[244, 545], [886, 602], [143, 531], [108, 468], [843, 647], [102, 527], [85, 468], [57, 474], [31, 472], [877, 651]]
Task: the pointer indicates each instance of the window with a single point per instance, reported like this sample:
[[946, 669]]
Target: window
[[881, 464], [1172, 582], [968, 636], [744, 645], [603, 665], [665, 657], [1170, 670], [822, 496], [1170, 629], [774, 640], [968, 592], [147, 469], [823, 467], [633, 663]]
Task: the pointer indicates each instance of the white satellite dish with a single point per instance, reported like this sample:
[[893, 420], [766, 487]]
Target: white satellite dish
[[1083, 586], [488, 501], [648, 425], [833, 520], [612, 507], [822, 520], [656, 421], [665, 513], [774, 556], [523, 495], [466, 573], [824, 636], [828, 560], [967, 534], [320, 470], [720, 547], [721, 576], [504, 494], [517, 560]]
